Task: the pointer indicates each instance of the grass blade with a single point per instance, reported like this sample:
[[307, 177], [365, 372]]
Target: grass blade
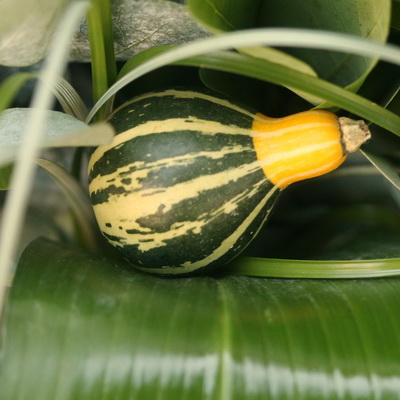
[[237, 63], [69, 99], [257, 37], [101, 47], [77, 199], [310, 269]]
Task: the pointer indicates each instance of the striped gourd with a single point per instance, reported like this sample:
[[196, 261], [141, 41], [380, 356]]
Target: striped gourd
[[190, 177]]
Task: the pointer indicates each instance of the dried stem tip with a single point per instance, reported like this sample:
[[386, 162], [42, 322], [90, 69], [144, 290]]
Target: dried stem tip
[[354, 133]]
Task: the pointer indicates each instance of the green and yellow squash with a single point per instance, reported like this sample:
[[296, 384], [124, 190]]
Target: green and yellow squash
[[191, 177]]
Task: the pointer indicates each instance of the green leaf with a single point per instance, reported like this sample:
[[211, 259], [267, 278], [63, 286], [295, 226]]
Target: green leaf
[[348, 241], [277, 37], [271, 72], [368, 19], [395, 21], [222, 16], [99, 330], [281, 58]]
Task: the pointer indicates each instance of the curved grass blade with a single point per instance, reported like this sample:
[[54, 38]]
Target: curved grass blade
[[258, 37], [5, 175], [69, 99], [385, 167], [101, 331], [237, 63], [260, 69], [310, 269], [77, 199]]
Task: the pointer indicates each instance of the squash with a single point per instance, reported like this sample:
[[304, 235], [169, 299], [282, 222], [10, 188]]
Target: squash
[[191, 176]]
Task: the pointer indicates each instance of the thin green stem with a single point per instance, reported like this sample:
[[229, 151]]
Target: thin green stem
[[102, 49], [108, 41], [98, 56]]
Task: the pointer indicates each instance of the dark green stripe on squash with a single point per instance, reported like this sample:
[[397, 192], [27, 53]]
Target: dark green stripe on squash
[[183, 188]]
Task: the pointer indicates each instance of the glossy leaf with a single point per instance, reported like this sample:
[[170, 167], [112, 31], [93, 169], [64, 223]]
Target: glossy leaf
[[100, 330], [369, 19]]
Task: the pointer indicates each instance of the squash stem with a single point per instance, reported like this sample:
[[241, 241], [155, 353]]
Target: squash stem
[[354, 133]]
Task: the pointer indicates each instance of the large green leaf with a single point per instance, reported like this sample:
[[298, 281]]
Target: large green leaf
[[368, 18], [83, 327]]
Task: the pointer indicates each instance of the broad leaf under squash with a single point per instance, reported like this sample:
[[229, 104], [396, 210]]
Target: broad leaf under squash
[[84, 327]]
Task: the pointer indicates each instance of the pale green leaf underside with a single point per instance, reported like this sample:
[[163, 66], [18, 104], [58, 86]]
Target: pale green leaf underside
[[60, 130], [99, 330]]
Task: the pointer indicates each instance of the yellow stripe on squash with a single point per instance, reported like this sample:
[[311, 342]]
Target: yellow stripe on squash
[[190, 178]]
